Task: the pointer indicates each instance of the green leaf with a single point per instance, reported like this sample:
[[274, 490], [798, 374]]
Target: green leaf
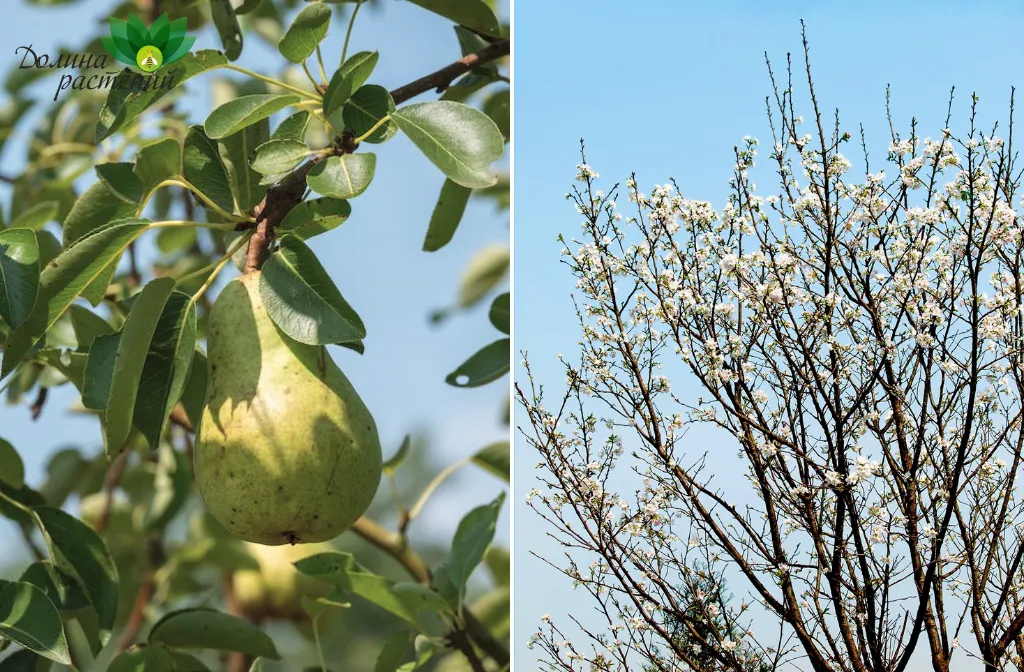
[[460, 140], [244, 180], [499, 108], [484, 272], [175, 238], [60, 588], [157, 162], [421, 597], [344, 571], [303, 300], [393, 652], [470, 13], [136, 337], [227, 25], [245, 111], [36, 216], [279, 156], [367, 106], [396, 460], [167, 366], [485, 366], [499, 562], [292, 128], [194, 394], [496, 458], [501, 313], [204, 169], [95, 210], [315, 216], [121, 180], [425, 650], [186, 663], [124, 106], [172, 485], [64, 279], [19, 275], [344, 176], [29, 618], [49, 247], [473, 536], [12, 470], [24, 660], [210, 629], [306, 32], [144, 659], [99, 371], [79, 552], [350, 76], [448, 211]]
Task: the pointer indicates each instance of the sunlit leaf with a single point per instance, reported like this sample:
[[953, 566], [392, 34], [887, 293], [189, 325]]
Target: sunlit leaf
[[460, 140]]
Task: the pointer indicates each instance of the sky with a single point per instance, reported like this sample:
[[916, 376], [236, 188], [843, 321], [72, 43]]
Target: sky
[[666, 89], [375, 259]]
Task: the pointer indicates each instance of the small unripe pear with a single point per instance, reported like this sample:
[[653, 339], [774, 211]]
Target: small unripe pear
[[277, 588], [286, 451]]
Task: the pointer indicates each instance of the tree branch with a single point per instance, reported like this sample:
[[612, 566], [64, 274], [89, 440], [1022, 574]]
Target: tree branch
[[441, 79]]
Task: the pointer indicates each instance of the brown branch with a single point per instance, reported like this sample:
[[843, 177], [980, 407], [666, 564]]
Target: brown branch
[[138, 613], [155, 558], [37, 407], [441, 79], [109, 485]]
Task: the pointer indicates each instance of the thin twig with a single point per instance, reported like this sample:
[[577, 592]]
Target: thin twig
[[37, 407], [109, 485]]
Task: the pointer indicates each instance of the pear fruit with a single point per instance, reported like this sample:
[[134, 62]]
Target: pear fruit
[[286, 451], [277, 588]]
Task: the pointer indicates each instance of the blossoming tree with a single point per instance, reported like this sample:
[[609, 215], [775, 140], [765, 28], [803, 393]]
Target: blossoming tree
[[857, 335]]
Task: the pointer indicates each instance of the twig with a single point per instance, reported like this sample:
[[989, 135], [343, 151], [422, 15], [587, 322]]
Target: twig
[[440, 79], [138, 613], [134, 277], [237, 662], [37, 407], [109, 485], [155, 558]]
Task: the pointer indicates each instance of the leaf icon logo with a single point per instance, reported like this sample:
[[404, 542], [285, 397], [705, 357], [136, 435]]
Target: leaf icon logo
[[149, 49]]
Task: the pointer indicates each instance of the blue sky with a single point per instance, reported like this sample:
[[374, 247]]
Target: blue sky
[[375, 259], [666, 89]]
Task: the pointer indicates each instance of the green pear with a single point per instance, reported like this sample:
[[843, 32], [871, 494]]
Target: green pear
[[286, 451], [277, 588]]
